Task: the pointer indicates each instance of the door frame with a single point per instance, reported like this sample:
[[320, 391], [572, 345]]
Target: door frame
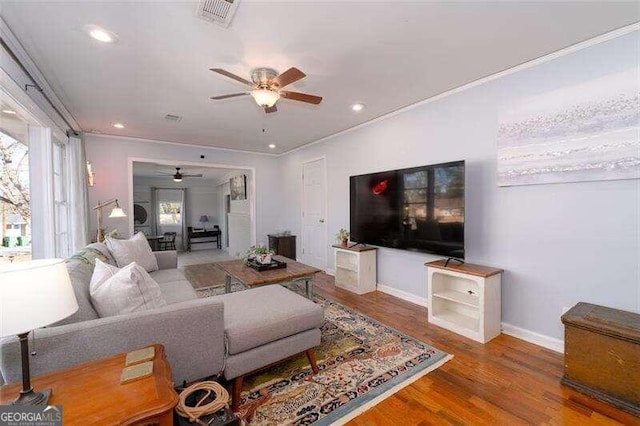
[[251, 183], [326, 220]]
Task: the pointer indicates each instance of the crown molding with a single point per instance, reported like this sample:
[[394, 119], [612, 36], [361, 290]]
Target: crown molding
[[129, 138]]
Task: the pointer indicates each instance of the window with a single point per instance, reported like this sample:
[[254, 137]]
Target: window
[[15, 194], [170, 213]]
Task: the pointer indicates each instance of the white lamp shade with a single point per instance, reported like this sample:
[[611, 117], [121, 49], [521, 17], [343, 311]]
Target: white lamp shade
[[34, 294], [117, 212], [265, 97]]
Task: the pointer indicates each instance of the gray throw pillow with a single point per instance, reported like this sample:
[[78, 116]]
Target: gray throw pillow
[[135, 249], [117, 291]]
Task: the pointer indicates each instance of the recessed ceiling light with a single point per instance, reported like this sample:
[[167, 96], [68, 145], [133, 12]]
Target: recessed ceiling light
[[357, 107], [119, 126], [101, 34], [272, 145], [9, 111]]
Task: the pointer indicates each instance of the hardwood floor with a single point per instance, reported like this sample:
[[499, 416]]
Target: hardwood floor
[[506, 381]]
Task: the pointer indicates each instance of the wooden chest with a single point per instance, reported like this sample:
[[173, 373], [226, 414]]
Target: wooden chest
[[602, 354]]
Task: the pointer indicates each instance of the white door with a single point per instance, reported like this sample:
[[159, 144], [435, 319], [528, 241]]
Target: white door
[[314, 227]]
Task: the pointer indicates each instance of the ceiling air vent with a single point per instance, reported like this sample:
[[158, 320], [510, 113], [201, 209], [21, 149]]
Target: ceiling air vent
[[219, 11], [172, 117]]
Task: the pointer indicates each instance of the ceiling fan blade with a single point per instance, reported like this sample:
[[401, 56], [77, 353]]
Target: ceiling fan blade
[[198, 175], [270, 109], [289, 76], [232, 95], [304, 97], [233, 76]]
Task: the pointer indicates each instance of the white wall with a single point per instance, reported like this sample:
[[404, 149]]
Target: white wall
[[110, 157], [559, 244]]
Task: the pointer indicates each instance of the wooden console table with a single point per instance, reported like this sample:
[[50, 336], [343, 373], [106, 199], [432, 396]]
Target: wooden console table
[[203, 237], [91, 393]]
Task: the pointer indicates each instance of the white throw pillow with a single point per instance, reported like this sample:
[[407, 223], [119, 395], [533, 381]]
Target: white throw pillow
[[117, 291], [135, 249]]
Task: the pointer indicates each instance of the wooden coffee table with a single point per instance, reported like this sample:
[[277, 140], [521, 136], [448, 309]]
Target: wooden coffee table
[[249, 277], [91, 393]]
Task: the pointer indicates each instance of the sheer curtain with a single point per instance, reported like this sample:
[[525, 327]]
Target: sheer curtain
[[77, 194], [185, 215]]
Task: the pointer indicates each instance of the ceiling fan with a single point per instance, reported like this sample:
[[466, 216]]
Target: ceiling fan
[[177, 176], [266, 87]]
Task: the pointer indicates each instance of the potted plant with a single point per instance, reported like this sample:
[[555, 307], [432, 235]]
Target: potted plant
[[260, 253], [343, 236]]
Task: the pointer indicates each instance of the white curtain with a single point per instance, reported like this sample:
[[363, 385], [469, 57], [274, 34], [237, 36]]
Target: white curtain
[[185, 215], [154, 211], [78, 200]]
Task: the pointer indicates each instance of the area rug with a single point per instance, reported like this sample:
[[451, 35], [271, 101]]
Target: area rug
[[204, 275], [361, 361]]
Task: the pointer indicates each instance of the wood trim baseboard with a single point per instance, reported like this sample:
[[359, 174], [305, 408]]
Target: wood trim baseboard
[[548, 342], [401, 294]]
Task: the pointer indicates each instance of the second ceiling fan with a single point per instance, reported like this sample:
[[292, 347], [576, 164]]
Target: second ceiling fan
[[178, 175], [266, 87]]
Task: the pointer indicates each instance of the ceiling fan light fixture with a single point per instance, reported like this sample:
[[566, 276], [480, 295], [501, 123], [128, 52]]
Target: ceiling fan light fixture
[[178, 176], [265, 97]]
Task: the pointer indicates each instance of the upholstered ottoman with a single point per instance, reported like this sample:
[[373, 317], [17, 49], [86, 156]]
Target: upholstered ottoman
[[264, 326]]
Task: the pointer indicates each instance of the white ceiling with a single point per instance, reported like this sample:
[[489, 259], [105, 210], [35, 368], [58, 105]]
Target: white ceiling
[[152, 170], [384, 54]]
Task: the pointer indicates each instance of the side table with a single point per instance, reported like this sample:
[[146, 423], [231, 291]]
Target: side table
[[91, 393]]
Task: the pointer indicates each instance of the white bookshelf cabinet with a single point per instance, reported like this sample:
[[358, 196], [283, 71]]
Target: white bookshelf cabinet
[[465, 298], [356, 268]]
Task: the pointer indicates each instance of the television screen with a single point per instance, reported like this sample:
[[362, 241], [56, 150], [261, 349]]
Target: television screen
[[421, 208]]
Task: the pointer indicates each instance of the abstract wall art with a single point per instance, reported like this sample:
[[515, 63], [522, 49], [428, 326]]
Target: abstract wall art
[[586, 132], [238, 185]]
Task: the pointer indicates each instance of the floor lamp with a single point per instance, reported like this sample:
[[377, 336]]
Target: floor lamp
[[115, 213], [33, 294]]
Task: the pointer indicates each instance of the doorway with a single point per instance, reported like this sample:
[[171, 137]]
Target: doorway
[[314, 227]]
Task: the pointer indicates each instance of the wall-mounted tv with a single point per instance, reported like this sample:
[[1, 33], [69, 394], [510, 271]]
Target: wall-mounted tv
[[421, 209]]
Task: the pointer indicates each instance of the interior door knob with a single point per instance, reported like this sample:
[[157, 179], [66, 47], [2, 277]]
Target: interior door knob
[[321, 221]]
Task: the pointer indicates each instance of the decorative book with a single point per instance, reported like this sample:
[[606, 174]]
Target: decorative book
[[136, 372], [140, 355]]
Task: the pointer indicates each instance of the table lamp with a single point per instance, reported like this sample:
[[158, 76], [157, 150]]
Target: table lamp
[[115, 212], [204, 219], [33, 294]]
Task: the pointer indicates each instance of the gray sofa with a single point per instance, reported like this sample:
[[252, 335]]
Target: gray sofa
[[232, 334]]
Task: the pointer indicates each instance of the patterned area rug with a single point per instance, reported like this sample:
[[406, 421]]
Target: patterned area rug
[[361, 362]]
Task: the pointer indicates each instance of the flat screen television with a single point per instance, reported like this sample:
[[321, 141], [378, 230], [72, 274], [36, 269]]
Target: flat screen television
[[421, 209]]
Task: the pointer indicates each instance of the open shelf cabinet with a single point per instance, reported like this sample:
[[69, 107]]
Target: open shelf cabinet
[[465, 299], [356, 269]]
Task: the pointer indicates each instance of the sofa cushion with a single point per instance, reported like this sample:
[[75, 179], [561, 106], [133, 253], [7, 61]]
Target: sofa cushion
[[174, 286], [135, 249], [117, 291], [261, 315]]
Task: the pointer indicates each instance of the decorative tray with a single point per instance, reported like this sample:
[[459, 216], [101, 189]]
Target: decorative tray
[[275, 264]]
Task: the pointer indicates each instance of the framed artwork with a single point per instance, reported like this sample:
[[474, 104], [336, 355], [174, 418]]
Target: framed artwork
[[585, 132], [238, 186]]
